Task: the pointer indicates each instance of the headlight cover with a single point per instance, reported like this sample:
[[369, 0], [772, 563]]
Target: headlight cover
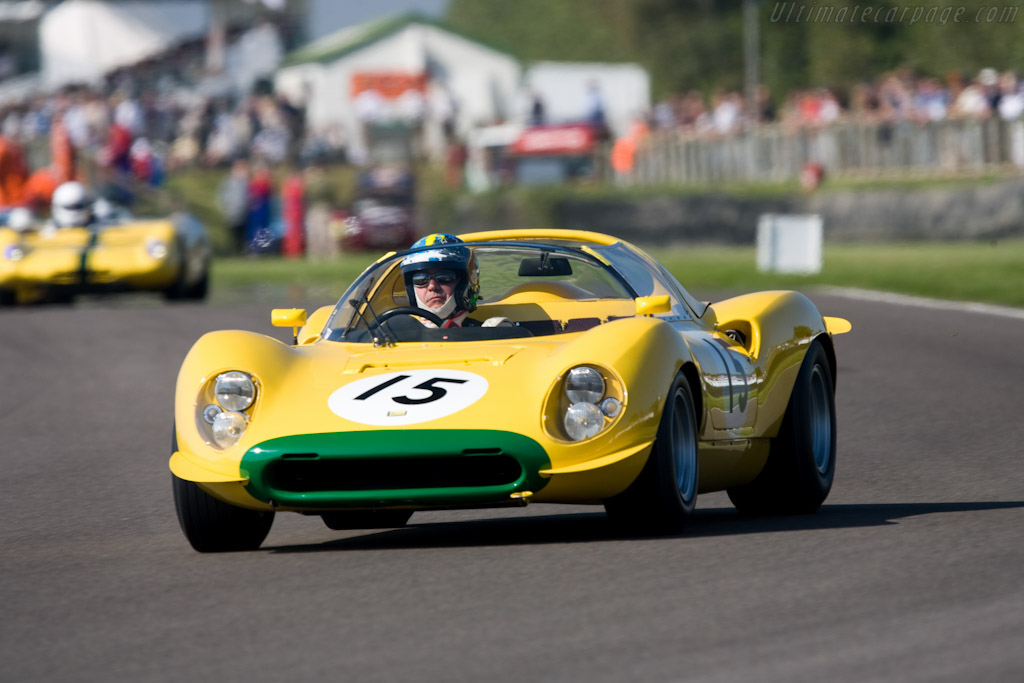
[[234, 390], [584, 384], [583, 420], [228, 428]]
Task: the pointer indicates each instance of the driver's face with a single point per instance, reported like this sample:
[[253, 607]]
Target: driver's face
[[434, 294]]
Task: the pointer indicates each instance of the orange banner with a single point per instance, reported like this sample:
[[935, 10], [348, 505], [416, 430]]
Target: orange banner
[[390, 84]]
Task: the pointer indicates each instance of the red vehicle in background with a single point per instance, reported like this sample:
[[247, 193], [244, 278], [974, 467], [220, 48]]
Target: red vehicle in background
[[544, 155], [383, 215]]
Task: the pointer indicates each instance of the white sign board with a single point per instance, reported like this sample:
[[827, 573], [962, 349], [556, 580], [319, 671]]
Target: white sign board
[[789, 243]]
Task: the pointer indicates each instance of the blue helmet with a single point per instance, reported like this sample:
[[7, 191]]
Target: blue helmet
[[449, 254]]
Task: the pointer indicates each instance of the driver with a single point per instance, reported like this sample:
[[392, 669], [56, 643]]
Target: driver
[[72, 206], [445, 281]]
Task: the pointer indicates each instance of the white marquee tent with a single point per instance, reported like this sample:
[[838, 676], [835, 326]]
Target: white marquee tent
[[403, 67], [81, 40]]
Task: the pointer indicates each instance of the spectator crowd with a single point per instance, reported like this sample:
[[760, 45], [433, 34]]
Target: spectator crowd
[[897, 96]]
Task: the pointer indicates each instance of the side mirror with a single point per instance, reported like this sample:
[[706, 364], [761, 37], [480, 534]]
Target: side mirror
[[315, 322], [289, 317], [649, 305], [837, 325]]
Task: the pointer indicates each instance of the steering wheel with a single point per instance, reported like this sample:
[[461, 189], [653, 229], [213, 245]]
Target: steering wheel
[[406, 310]]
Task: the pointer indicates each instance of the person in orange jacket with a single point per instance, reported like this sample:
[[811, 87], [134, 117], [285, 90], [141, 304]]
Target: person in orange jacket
[[41, 184], [13, 172]]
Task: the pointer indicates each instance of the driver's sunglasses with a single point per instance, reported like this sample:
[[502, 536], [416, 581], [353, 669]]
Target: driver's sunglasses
[[441, 277]]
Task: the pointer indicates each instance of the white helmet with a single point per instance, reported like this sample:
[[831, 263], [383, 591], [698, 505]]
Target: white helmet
[[71, 206], [20, 219]]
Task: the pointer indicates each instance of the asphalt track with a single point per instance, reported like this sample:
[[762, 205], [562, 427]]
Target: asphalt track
[[910, 572]]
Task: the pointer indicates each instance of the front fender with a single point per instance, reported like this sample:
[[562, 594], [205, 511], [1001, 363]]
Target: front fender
[[265, 358], [646, 351], [645, 354]]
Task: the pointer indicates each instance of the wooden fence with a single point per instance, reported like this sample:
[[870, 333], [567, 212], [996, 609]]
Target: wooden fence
[[774, 154]]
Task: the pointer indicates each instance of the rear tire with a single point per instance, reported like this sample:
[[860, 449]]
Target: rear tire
[[180, 289], [802, 462], [199, 290], [176, 290], [664, 495], [366, 519]]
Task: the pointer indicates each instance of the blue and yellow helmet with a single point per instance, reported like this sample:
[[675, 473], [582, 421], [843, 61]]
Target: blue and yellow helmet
[[451, 253]]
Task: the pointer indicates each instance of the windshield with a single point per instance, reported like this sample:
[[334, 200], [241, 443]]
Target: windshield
[[649, 278], [540, 289]]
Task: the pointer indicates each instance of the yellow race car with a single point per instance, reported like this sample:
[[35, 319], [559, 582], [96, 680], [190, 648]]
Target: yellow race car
[[122, 253], [605, 382]]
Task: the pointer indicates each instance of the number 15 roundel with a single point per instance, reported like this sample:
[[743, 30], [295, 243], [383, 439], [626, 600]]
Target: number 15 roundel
[[408, 397]]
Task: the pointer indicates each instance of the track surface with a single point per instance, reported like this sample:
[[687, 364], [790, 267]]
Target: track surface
[[910, 572]]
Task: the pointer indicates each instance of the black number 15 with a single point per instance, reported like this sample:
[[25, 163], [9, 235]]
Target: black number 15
[[435, 391]]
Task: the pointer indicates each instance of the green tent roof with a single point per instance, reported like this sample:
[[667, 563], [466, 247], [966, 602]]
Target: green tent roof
[[353, 38]]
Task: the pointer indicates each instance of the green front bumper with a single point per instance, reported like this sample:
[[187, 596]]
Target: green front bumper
[[394, 468]]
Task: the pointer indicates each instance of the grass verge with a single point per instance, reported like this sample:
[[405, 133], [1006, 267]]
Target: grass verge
[[989, 272]]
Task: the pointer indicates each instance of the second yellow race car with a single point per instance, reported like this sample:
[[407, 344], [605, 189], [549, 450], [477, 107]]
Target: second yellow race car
[[120, 253], [583, 373]]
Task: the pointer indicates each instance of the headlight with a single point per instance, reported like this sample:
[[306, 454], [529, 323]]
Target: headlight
[[583, 420], [584, 401], [156, 249], [211, 412], [611, 406], [228, 428], [234, 390], [13, 252], [584, 384]]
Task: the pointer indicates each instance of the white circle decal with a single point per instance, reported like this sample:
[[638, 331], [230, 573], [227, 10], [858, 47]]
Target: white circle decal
[[408, 397]]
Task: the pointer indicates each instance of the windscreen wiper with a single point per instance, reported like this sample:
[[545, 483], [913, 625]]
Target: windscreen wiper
[[356, 304]]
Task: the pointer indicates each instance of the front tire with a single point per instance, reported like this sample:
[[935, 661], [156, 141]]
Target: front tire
[[802, 462], [213, 526], [664, 495]]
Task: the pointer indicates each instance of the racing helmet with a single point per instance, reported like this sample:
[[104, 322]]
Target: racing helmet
[[449, 255], [71, 205]]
